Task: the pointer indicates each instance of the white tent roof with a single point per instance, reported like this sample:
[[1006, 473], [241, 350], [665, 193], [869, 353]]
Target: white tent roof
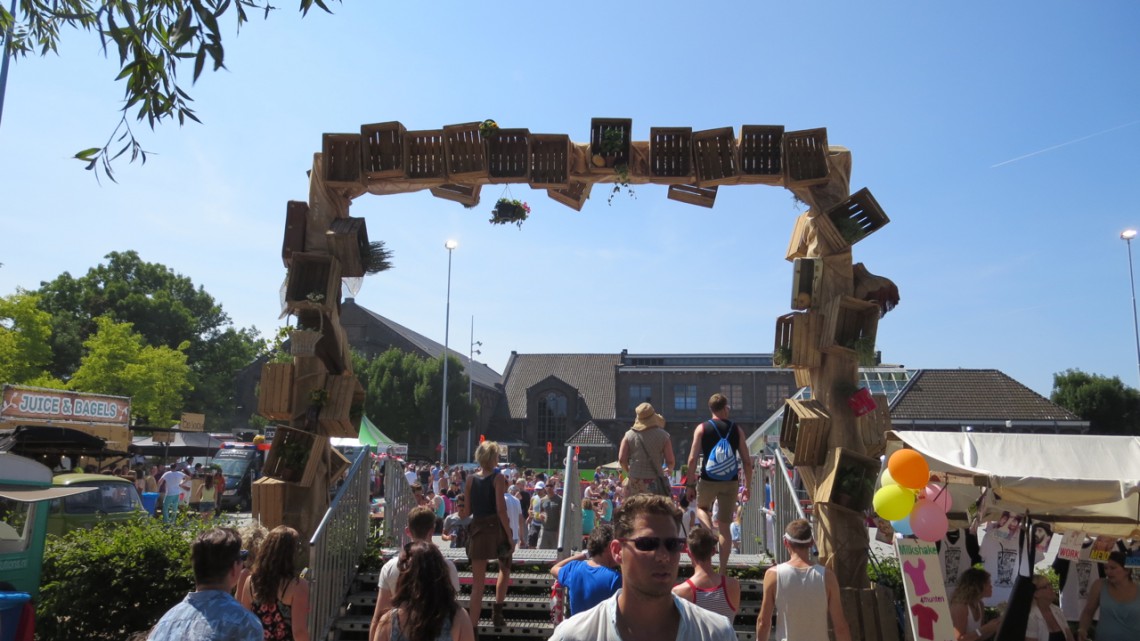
[[1082, 482]]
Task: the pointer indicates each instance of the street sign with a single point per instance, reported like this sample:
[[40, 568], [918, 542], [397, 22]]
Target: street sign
[[192, 422], [163, 437]]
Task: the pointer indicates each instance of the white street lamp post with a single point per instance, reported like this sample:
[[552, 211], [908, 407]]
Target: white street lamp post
[[1128, 235], [449, 245], [470, 385]]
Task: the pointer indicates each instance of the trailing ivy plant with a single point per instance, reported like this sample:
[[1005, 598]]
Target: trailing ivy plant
[[621, 181]]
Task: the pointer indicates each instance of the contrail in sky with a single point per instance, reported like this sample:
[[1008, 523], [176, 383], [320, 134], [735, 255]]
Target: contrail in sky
[[1064, 144]]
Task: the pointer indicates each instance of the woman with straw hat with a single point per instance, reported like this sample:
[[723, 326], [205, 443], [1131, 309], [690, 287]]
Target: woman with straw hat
[[643, 450]]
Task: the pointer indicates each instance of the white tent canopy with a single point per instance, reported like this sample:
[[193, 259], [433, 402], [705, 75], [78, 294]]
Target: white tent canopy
[[1089, 483]]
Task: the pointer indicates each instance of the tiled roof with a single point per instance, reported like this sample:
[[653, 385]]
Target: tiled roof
[[480, 374], [589, 436], [973, 394], [591, 374]]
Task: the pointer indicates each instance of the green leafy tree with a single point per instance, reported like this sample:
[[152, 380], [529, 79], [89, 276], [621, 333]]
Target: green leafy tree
[[25, 330], [153, 41], [119, 363], [1107, 404], [404, 397], [165, 309]]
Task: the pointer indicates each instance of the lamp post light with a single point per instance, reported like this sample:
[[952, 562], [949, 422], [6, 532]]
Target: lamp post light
[[1127, 235], [470, 386], [449, 245]]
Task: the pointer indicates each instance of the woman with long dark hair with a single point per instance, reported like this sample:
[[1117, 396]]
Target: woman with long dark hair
[[274, 592], [424, 608]]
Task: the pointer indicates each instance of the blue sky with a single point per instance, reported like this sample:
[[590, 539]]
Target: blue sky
[[1015, 265]]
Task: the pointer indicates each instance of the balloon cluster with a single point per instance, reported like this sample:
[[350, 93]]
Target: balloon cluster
[[905, 491]]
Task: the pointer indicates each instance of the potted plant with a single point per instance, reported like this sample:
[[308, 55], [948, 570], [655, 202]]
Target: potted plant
[[621, 180], [613, 141], [303, 340], [864, 348], [509, 210], [488, 127], [782, 357], [375, 257]]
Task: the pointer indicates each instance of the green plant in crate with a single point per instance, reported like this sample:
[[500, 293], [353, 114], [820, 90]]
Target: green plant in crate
[[782, 356], [621, 181], [488, 127]]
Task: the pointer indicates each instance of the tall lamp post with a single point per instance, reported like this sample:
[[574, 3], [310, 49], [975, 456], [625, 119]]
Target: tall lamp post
[[470, 385], [449, 245], [1128, 235]]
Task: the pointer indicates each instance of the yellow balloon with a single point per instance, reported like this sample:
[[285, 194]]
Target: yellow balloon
[[893, 502], [886, 479]]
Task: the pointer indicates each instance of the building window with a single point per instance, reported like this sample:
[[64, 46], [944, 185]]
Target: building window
[[734, 394], [684, 397], [639, 394], [551, 419], [777, 394]]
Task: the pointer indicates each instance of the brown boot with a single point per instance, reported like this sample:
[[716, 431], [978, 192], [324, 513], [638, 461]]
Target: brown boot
[[497, 617]]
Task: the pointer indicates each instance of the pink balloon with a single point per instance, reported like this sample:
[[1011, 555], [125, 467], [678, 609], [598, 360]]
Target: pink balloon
[[929, 521], [937, 494]]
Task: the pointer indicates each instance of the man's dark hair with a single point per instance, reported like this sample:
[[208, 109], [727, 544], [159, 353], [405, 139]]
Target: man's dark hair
[[717, 402], [599, 539], [702, 544], [214, 553], [800, 530], [643, 504], [421, 522]]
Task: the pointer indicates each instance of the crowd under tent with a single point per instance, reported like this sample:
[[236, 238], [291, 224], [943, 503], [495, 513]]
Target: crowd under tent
[[1073, 482]]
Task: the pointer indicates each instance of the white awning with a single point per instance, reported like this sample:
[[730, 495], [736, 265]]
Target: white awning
[[1082, 482]]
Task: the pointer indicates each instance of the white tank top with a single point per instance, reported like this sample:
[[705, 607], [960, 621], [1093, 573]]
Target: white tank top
[[799, 595]]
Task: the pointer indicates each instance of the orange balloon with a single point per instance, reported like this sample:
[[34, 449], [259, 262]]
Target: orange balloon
[[909, 469]]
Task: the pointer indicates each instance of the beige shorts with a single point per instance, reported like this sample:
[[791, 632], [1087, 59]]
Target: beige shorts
[[725, 491]]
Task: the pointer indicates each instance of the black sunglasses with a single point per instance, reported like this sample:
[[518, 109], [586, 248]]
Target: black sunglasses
[[652, 543], [244, 555]]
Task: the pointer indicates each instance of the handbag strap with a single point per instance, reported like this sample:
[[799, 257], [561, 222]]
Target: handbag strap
[[657, 467]]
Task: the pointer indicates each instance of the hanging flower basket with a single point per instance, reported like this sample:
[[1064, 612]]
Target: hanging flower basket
[[303, 342], [861, 402], [509, 211]]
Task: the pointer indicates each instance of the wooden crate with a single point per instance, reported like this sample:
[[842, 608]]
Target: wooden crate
[[849, 480], [295, 456], [806, 276], [797, 340], [804, 431], [761, 154], [463, 194], [382, 150], [348, 241], [671, 155], [693, 195], [714, 156], [851, 221], [573, 196], [338, 465], [424, 154], [464, 152], [275, 391], [336, 415], [549, 161], [805, 157], [305, 386], [847, 320], [873, 426], [313, 283], [603, 163], [508, 156], [341, 159], [798, 244], [296, 222], [803, 376], [268, 496]]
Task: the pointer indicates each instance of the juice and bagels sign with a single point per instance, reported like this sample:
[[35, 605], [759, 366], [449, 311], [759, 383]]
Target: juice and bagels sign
[[46, 405]]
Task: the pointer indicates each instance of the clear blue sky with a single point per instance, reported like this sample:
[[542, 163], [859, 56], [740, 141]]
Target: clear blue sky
[[1000, 138]]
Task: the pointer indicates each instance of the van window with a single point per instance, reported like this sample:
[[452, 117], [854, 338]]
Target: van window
[[110, 498], [15, 517]]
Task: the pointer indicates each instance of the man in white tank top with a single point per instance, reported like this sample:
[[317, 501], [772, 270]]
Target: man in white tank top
[[794, 590]]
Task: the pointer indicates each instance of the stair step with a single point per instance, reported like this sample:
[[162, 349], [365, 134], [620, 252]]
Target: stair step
[[516, 628], [520, 579], [367, 601]]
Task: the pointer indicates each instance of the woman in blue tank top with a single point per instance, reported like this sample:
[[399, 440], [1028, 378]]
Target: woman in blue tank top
[[1118, 598]]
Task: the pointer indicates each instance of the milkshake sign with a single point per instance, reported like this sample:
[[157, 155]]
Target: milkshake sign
[[36, 405]]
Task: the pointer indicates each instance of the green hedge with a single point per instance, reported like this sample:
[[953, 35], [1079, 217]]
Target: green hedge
[[114, 580]]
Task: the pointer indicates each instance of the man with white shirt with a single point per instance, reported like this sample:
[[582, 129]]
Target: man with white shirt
[[421, 524], [515, 514], [173, 484]]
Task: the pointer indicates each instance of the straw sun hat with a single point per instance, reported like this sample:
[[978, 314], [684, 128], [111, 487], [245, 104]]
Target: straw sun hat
[[647, 417]]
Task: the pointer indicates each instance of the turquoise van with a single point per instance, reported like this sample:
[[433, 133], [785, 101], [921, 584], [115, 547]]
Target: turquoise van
[[112, 499], [25, 489]]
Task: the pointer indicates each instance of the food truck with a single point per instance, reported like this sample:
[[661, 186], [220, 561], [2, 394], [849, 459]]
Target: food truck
[[99, 415]]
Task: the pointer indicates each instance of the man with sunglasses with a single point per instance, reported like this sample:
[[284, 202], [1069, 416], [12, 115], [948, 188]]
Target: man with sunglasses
[[647, 545]]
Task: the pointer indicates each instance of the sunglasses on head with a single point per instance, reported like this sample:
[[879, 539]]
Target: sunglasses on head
[[244, 555], [652, 543]]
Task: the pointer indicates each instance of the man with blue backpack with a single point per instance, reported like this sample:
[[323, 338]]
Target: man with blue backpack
[[717, 443]]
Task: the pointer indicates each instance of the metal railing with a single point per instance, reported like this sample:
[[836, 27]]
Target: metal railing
[[788, 506], [398, 501], [753, 536], [336, 546]]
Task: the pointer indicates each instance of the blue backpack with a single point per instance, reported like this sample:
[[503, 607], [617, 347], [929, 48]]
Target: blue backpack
[[721, 462]]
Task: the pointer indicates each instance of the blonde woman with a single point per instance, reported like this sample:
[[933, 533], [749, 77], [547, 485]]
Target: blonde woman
[[966, 609], [489, 535]]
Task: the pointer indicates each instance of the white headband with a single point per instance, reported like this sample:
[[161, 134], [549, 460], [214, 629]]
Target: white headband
[[789, 539]]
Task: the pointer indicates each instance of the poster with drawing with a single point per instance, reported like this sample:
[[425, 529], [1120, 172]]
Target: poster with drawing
[[926, 602]]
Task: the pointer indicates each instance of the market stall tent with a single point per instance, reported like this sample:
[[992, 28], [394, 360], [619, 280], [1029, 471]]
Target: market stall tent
[[1081, 482]]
